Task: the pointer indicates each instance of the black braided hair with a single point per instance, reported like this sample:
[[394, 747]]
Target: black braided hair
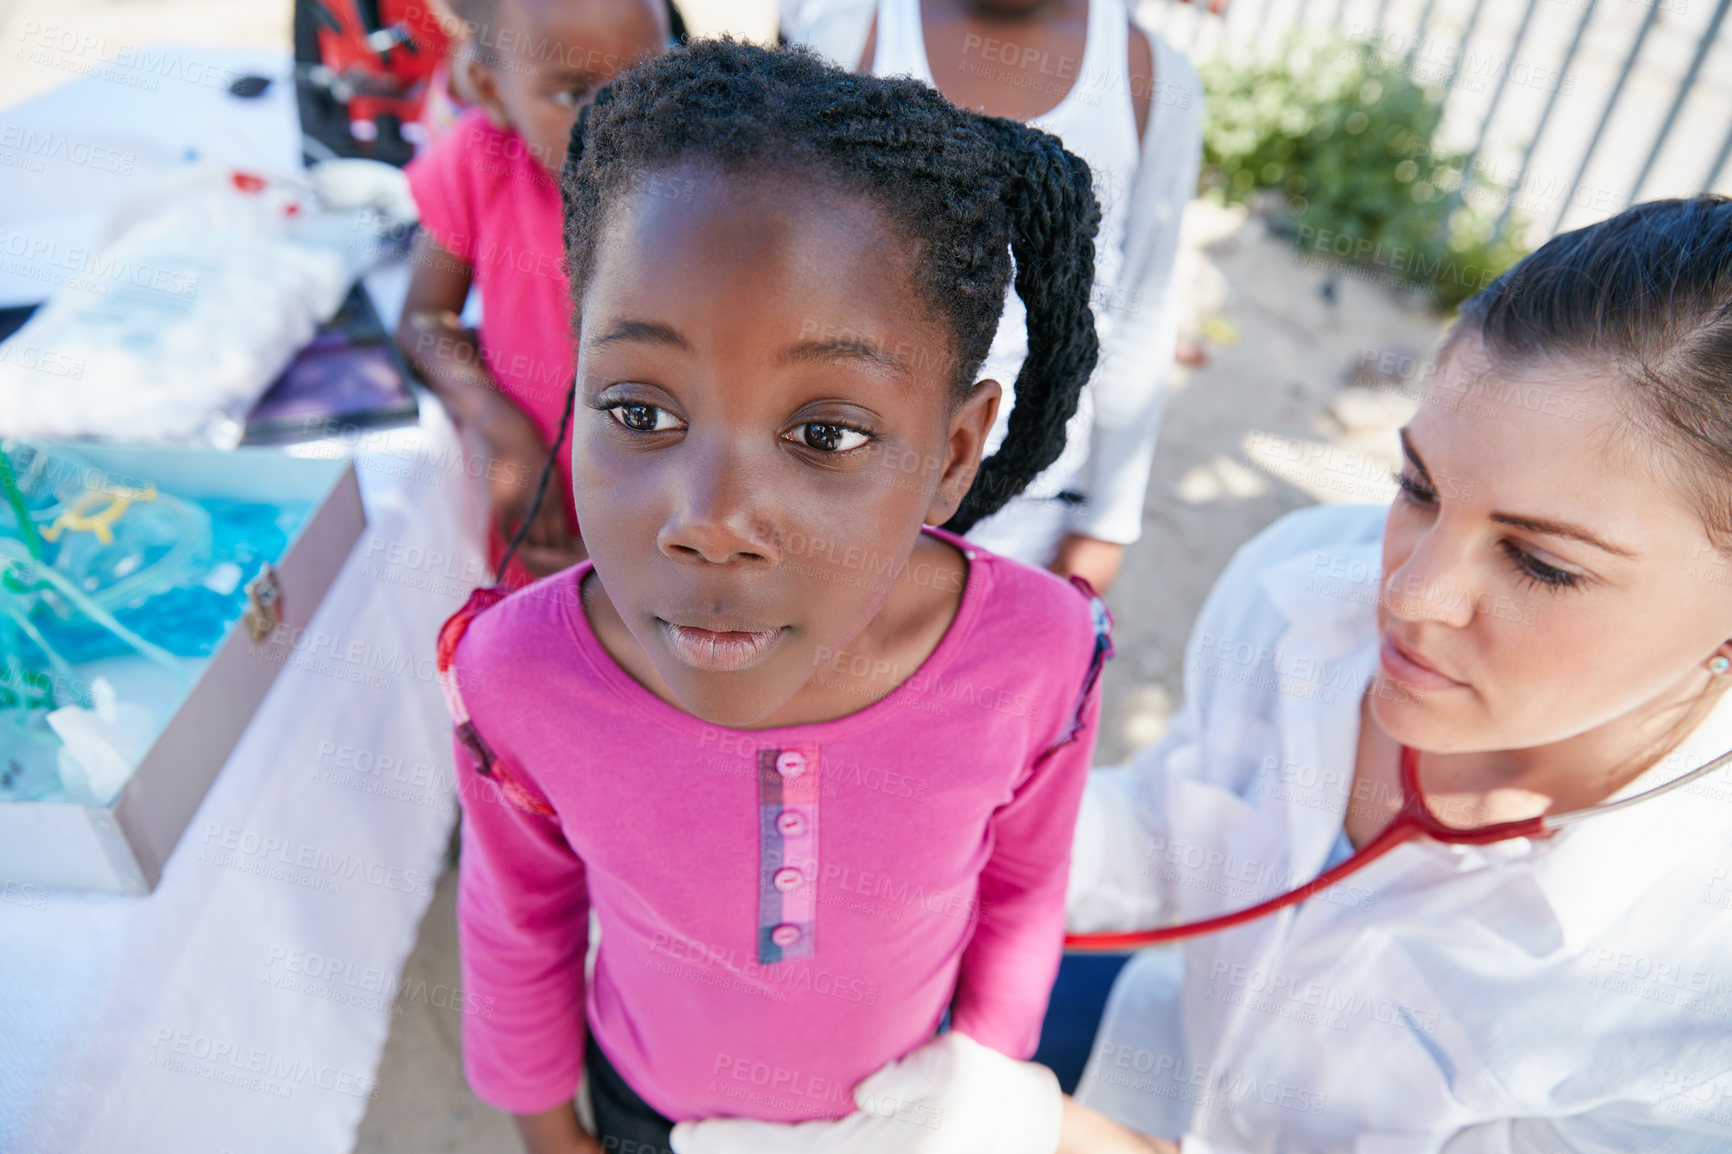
[[967, 191]]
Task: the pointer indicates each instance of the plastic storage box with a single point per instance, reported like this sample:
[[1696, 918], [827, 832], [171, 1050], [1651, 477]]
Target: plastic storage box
[[122, 847]]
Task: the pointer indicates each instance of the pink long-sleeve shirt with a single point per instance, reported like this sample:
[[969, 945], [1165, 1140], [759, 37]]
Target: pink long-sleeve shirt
[[782, 911]]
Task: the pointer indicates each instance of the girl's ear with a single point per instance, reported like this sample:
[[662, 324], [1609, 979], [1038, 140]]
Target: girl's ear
[[483, 82], [969, 426]]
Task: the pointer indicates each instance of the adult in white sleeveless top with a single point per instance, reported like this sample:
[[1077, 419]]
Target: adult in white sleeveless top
[[1131, 106]]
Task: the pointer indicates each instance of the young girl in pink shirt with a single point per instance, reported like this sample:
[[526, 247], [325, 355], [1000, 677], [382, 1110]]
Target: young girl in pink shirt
[[488, 193], [813, 764]]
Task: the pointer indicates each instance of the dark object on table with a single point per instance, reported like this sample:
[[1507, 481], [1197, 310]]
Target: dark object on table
[[361, 73], [247, 87], [349, 376], [12, 318], [362, 70]]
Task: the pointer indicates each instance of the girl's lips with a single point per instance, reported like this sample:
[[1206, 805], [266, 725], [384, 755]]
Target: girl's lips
[[719, 652], [1402, 666]]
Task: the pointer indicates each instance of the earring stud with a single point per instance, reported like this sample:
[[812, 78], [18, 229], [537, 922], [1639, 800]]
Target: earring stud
[[1719, 663]]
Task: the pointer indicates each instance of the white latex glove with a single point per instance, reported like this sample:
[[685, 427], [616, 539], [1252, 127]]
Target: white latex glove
[[951, 1096]]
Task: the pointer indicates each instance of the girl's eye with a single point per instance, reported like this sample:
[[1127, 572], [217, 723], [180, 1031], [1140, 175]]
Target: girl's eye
[[572, 98], [1533, 570], [642, 418], [830, 438], [1415, 490]]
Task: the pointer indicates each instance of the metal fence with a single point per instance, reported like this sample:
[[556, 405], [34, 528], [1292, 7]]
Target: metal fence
[[1573, 108]]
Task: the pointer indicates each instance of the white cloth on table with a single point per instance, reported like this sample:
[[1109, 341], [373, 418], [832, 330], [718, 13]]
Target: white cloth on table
[[1527, 997], [245, 1003], [115, 130]]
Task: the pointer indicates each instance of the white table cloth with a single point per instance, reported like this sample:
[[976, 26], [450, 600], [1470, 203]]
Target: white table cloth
[[72, 155], [243, 1005]]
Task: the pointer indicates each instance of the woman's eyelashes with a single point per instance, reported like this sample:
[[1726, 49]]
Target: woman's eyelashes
[[1533, 571], [1415, 489], [1529, 569]]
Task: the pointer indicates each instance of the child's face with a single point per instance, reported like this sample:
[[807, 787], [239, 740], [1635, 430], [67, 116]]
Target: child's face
[[764, 420], [552, 56]]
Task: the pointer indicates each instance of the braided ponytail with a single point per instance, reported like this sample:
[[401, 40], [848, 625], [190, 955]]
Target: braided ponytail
[[1049, 196]]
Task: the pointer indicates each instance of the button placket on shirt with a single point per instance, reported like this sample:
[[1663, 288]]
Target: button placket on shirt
[[788, 852]]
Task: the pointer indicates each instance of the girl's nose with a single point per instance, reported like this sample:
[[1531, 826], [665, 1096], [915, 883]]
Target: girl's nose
[[719, 515]]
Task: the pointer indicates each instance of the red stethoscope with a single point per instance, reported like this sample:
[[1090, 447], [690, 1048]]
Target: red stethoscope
[[1415, 820]]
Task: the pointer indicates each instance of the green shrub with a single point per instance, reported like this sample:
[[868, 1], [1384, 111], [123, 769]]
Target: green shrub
[[1347, 138]]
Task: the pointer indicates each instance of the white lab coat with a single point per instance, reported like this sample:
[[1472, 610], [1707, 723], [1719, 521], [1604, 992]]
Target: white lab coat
[[1565, 994]]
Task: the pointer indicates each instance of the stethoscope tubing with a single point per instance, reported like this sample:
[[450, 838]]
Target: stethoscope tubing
[[1414, 820]]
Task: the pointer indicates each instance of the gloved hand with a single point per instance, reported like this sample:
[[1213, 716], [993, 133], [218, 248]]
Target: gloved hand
[[951, 1096]]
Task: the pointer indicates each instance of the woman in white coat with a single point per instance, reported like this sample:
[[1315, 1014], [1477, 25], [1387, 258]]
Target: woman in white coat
[[1545, 614]]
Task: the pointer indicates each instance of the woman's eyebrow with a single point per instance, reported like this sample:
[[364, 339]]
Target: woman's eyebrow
[[833, 352], [1413, 454], [1561, 529], [1546, 525], [643, 332]]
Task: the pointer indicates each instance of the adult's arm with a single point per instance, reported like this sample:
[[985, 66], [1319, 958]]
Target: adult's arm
[[1130, 381], [1087, 1131]]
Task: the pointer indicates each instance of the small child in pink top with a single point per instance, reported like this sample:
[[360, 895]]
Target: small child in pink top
[[490, 216], [813, 765]]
